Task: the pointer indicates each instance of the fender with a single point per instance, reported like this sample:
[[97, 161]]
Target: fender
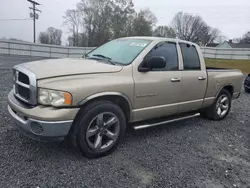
[[103, 94], [224, 85]]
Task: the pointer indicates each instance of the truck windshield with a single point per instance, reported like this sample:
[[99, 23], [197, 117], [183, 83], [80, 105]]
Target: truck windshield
[[121, 51]]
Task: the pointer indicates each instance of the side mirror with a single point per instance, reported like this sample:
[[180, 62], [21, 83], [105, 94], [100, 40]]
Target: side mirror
[[151, 63]]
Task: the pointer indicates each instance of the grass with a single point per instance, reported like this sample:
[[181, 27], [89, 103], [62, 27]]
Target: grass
[[243, 65]]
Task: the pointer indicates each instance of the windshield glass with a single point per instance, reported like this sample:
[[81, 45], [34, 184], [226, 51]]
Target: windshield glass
[[122, 51]]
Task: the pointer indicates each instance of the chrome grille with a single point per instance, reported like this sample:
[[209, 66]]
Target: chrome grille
[[24, 85]]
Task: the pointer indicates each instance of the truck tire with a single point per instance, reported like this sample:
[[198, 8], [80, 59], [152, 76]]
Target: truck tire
[[247, 90], [221, 106], [98, 129]]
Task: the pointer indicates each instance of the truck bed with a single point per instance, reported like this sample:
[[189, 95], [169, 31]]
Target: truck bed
[[216, 69], [219, 77]]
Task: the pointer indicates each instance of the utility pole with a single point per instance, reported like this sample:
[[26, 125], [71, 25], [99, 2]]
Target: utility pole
[[34, 15]]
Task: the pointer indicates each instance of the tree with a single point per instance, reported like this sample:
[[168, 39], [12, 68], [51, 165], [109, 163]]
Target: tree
[[96, 16], [123, 12], [51, 36], [212, 35], [220, 39], [164, 31], [246, 38], [193, 28], [73, 20], [43, 38], [55, 35], [236, 40], [143, 23], [98, 21]]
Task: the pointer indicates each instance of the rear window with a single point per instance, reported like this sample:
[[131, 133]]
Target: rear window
[[191, 60]]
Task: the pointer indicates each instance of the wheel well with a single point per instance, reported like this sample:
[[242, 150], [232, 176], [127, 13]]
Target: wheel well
[[229, 88], [118, 100]]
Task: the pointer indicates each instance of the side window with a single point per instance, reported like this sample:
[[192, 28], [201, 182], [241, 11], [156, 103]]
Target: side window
[[169, 52], [190, 56]]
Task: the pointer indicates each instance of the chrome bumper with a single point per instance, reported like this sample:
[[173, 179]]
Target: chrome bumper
[[41, 130], [39, 122]]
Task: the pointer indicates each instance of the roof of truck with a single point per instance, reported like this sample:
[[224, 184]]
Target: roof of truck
[[161, 39]]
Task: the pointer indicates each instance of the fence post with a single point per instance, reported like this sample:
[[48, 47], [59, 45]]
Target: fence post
[[68, 52], [9, 48], [215, 54], [30, 51]]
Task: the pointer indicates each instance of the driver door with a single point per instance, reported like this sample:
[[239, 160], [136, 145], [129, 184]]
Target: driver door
[[157, 92]]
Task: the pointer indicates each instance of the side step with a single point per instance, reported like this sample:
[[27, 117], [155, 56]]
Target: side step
[[154, 123]]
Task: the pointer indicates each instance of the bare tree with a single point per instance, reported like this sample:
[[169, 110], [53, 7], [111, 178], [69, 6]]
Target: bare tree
[[164, 31], [236, 40], [212, 35], [51, 36], [246, 38], [55, 35], [94, 22], [43, 38], [73, 20], [193, 28]]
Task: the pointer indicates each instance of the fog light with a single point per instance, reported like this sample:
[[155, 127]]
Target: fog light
[[36, 128]]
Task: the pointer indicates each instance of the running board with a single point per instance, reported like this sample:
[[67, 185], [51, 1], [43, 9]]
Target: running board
[[166, 121]]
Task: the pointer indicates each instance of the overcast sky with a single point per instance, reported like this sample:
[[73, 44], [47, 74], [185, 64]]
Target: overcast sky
[[232, 17]]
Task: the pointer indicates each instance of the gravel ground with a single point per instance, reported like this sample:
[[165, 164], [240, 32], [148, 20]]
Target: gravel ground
[[192, 153]]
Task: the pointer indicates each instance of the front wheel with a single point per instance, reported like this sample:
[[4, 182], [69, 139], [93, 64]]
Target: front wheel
[[221, 106], [99, 128]]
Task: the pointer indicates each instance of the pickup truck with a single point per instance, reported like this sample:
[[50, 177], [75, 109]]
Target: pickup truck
[[247, 84], [133, 81]]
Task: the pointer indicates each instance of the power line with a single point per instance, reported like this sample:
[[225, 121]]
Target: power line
[[17, 19]]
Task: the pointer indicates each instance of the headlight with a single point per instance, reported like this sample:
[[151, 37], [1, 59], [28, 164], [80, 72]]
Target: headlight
[[54, 98]]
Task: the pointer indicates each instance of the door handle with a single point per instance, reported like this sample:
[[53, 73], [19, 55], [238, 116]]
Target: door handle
[[175, 80], [201, 78]]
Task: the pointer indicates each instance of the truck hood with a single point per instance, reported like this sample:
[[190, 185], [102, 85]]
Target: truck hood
[[65, 67]]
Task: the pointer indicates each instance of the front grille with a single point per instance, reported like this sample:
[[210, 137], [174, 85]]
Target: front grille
[[23, 78], [24, 85], [23, 92]]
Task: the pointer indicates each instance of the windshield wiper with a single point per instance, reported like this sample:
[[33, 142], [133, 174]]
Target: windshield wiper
[[105, 57], [102, 56]]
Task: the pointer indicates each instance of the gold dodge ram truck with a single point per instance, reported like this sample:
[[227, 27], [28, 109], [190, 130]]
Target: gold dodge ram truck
[[133, 81]]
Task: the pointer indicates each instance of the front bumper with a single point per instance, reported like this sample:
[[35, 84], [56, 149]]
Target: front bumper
[[32, 122]]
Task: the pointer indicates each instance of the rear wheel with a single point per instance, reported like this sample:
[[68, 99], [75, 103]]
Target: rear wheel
[[247, 90], [99, 128], [221, 106]]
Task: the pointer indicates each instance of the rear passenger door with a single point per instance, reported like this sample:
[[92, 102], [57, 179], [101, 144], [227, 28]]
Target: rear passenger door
[[194, 79]]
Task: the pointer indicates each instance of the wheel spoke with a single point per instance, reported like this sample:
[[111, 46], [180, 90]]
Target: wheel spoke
[[100, 120], [224, 99], [92, 132], [102, 131], [219, 111], [110, 122], [110, 135], [223, 112], [224, 107], [98, 141]]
